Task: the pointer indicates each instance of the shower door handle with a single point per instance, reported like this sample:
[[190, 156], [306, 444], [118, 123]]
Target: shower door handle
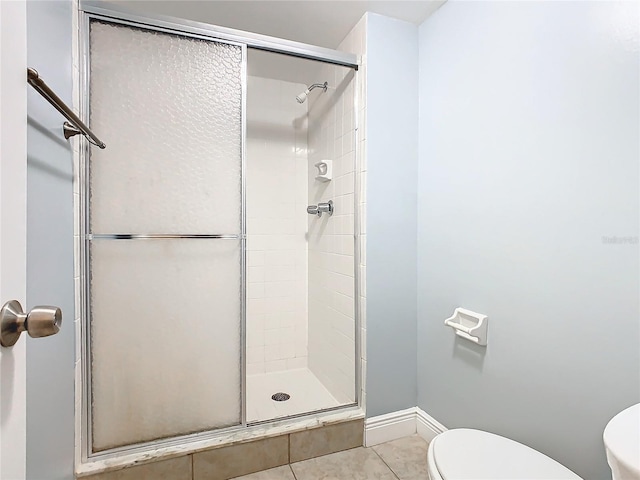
[[313, 210], [41, 321]]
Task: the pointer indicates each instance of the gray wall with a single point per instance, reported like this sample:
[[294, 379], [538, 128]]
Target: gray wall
[[50, 361], [392, 149], [529, 148]]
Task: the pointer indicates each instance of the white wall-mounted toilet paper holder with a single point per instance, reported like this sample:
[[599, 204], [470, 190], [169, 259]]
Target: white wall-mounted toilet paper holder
[[469, 325]]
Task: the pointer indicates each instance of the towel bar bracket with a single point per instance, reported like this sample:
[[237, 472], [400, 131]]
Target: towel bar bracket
[[74, 125], [70, 130]]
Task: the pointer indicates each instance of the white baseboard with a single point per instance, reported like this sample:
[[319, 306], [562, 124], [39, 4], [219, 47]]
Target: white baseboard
[[402, 423], [390, 426], [427, 426]]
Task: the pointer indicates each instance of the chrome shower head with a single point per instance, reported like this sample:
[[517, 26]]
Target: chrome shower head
[[303, 96]]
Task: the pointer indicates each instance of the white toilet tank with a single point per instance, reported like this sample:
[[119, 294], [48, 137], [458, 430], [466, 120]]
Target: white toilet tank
[[622, 443]]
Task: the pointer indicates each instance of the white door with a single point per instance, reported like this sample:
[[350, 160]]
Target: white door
[[13, 165]]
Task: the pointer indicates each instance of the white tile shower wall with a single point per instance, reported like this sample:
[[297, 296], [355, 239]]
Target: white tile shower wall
[[276, 201], [332, 293]]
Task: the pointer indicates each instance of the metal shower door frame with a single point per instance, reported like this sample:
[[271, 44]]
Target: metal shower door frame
[[86, 237], [92, 10]]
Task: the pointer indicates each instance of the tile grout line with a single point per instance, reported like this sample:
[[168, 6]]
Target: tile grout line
[[388, 466], [289, 459]]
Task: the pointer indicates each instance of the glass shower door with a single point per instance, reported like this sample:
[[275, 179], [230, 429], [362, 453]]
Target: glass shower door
[[163, 236]]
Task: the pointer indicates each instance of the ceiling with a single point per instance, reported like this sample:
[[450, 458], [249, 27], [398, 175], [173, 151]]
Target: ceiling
[[317, 22]]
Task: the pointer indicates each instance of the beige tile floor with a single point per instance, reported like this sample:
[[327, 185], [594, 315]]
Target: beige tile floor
[[403, 459]]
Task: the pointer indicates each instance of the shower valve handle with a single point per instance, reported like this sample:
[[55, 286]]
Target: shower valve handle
[[321, 208], [326, 207]]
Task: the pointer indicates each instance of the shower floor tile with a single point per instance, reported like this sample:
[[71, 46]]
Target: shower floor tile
[[306, 391]]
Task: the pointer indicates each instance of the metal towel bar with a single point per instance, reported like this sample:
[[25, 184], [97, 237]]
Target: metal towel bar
[[152, 236], [74, 126]]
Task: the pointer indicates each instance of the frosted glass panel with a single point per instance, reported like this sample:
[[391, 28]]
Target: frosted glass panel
[[166, 335], [169, 109]]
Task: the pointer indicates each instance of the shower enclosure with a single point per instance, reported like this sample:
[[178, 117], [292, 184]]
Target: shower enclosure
[[219, 232]]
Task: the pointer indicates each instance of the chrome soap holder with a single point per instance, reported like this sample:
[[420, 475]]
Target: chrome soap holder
[[469, 325]]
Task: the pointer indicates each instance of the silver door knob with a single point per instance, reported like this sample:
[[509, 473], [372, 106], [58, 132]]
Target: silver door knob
[[41, 321]]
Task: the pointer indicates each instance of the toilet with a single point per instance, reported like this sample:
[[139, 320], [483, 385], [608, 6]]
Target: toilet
[[466, 454], [622, 444]]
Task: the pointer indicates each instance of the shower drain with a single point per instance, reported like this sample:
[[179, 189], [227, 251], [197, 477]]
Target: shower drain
[[280, 397]]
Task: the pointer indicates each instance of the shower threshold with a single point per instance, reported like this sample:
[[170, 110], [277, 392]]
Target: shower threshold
[[161, 450]]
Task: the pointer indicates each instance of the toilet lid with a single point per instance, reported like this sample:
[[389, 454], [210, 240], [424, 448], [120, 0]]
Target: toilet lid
[[473, 454]]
